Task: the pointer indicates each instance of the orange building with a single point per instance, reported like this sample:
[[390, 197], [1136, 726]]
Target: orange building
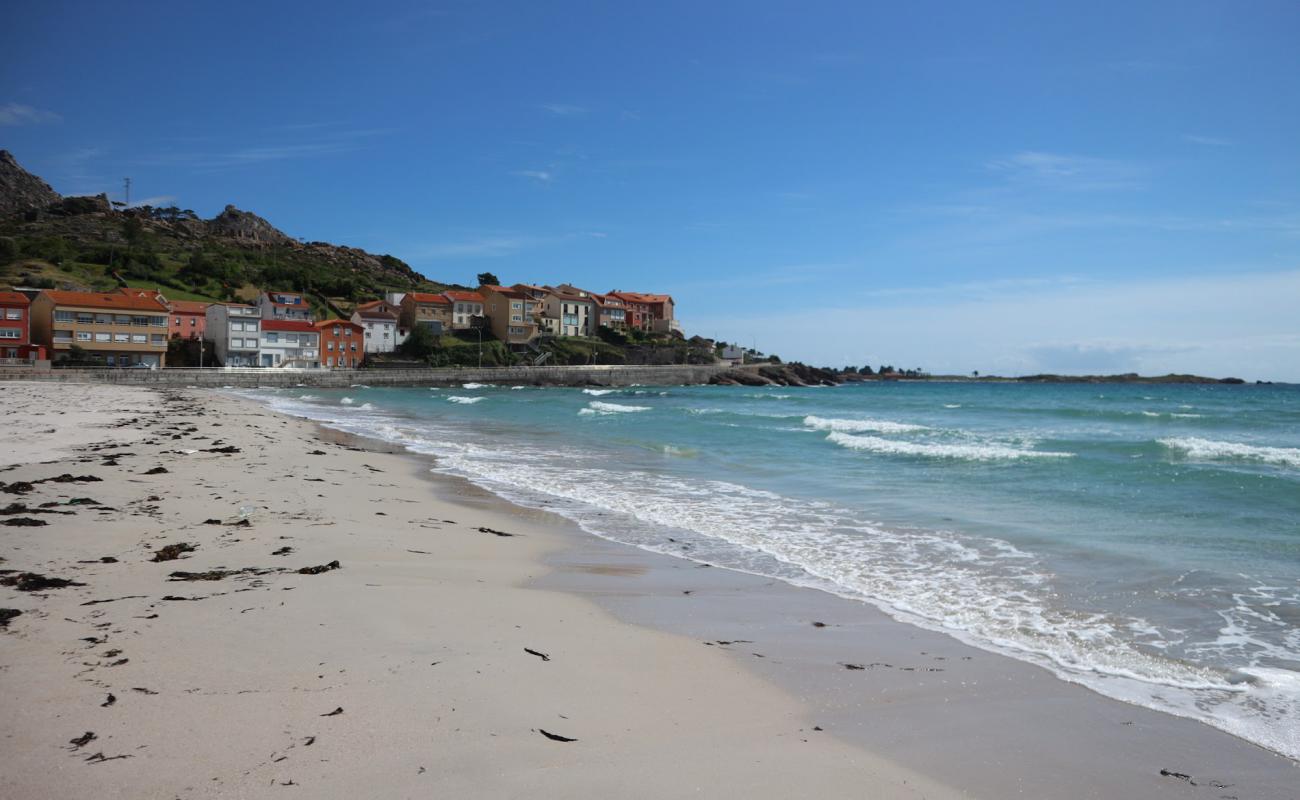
[[342, 343]]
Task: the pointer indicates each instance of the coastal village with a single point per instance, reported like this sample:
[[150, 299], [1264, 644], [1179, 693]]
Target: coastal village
[[133, 327]]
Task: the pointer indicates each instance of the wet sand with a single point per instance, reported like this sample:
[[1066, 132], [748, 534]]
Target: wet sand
[[256, 607]]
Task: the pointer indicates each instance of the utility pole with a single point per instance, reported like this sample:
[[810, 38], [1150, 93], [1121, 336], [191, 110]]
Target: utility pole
[[127, 183]]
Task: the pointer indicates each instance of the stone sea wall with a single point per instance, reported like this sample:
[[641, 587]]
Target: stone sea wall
[[343, 378]]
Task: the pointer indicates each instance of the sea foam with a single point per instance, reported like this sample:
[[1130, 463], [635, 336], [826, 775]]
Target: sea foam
[[1211, 450], [465, 401], [860, 425], [597, 407], [963, 452]]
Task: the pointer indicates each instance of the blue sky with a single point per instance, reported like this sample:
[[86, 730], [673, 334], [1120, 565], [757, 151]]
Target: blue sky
[[1008, 187]]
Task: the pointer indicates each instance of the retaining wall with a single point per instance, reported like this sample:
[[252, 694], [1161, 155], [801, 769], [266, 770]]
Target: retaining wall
[[245, 378]]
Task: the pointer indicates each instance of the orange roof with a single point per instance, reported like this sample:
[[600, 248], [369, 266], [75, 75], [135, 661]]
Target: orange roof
[[14, 299], [425, 297], [141, 301], [638, 297], [325, 323], [189, 307], [463, 297]]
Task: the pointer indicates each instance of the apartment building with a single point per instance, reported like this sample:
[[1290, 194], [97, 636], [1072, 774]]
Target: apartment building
[[289, 343], [235, 332], [508, 314], [122, 329], [284, 305], [188, 319], [16, 328], [342, 343], [648, 312], [570, 312], [379, 319]]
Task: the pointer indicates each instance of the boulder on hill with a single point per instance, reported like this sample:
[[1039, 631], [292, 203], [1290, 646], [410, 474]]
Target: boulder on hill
[[246, 227], [21, 191]]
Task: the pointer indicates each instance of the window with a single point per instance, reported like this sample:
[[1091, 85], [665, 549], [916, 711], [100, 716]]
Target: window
[[329, 346], [122, 319], [178, 322], [11, 333], [157, 338], [336, 330], [516, 318], [121, 337], [516, 306], [237, 326], [159, 322], [63, 336], [142, 321], [330, 361], [63, 316], [103, 319], [250, 344], [139, 338], [271, 338], [354, 347], [194, 322], [83, 336], [103, 337], [237, 344], [13, 313], [250, 325], [84, 318]]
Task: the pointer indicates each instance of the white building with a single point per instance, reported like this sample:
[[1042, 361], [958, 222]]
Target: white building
[[289, 343], [465, 306], [379, 319], [235, 332], [284, 305]]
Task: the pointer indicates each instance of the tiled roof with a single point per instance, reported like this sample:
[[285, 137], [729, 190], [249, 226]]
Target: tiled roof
[[292, 325], [507, 292], [189, 307], [425, 297], [14, 299], [325, 323], [638, 297], [112, 300], [463, 297]]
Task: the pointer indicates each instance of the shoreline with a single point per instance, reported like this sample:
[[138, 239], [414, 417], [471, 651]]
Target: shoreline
[[647, 588], [415, 667], [644, 664]]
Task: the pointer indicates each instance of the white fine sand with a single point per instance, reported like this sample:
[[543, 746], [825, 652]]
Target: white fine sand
[[419, 638]]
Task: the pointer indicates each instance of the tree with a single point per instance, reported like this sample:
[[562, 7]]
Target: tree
[[420, 342], [488, 279]]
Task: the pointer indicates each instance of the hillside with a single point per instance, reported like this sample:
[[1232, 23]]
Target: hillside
[[89, 243]]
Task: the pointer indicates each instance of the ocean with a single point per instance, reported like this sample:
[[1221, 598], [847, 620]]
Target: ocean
[[1141, 540]]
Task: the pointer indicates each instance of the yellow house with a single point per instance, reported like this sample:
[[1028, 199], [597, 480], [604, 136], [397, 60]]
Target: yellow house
[[124, 328]]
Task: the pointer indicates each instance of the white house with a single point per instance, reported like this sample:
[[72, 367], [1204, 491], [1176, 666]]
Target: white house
[[379, 319], [290, 343]]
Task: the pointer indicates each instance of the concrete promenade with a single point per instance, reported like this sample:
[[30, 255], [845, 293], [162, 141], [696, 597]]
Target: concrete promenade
[[251, 377]]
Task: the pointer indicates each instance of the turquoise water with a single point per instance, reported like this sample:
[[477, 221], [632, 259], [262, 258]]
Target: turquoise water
[[1141, 540]]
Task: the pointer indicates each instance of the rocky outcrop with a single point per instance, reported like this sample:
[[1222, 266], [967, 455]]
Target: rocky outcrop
[[245, 227], [777, 375], [20, 190]]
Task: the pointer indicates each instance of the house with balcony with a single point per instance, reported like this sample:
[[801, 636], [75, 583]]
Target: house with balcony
[[342, 343], [289, 343], [235, 330], [648, 312], [433, 311], [284, 305], [121, 329], [508, 315], [379, 320], [466, 308], [610, 311], [570, 312]]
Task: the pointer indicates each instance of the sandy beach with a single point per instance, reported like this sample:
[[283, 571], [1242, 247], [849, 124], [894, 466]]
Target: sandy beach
[[404, 672], [259, 606]]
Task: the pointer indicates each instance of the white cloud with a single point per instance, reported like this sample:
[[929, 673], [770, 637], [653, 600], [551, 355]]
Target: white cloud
[[542, 175], [157, 201], [563, 109], [1056, 170], [19, 114], [1223, 325]]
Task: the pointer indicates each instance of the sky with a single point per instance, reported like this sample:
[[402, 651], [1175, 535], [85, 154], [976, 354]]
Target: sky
[[1003, 187]]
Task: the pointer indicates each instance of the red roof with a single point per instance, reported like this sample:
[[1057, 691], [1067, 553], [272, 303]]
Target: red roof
[[464, 297], [189, 307], [112, 300], [325, 323], [14, 299], [424, 297], [638, 297], [295, 325]]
